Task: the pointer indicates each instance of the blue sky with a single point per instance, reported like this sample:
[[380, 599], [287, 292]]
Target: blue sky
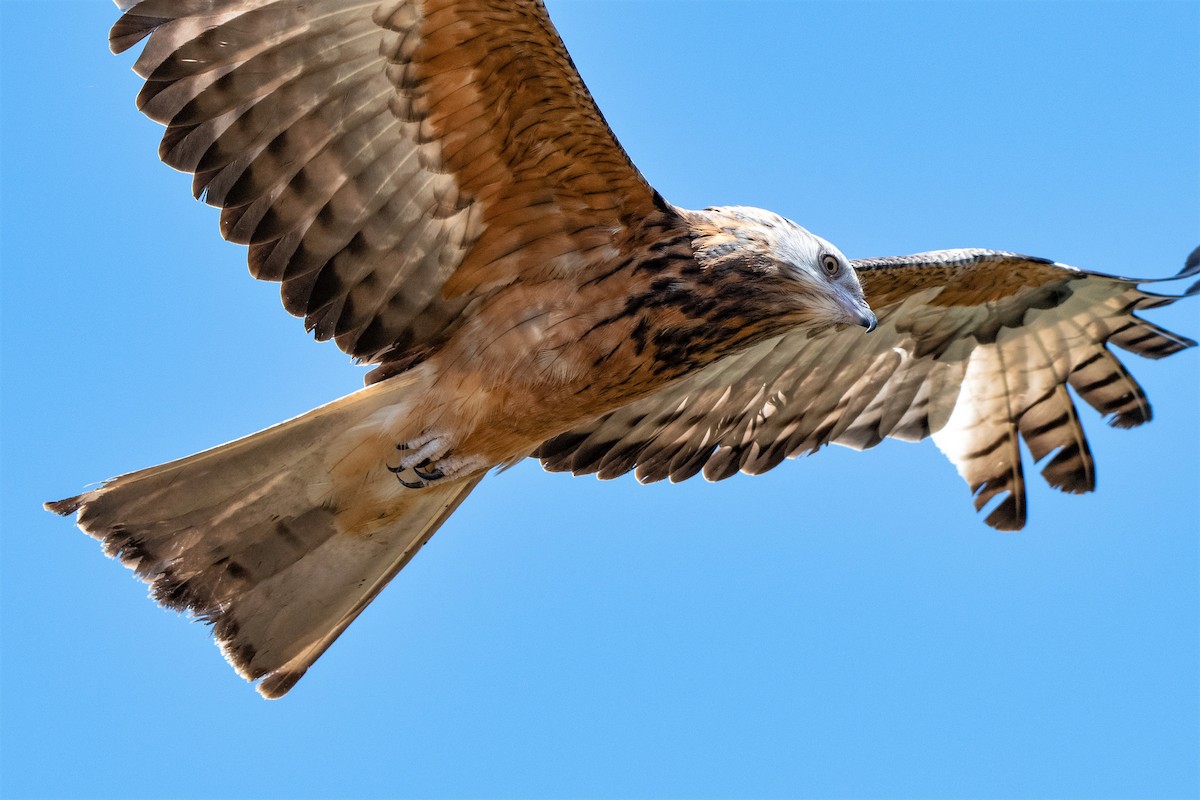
[[843, 626]]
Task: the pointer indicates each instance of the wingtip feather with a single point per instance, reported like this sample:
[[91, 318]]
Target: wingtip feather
[[130, 29], [64, 508], [1191, 267]]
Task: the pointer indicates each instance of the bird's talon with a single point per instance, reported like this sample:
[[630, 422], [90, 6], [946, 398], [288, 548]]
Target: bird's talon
[[422, 457], [432, 475], [410, 484]]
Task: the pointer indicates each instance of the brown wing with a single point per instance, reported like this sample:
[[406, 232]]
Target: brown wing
[[389, 161], [974, 347]]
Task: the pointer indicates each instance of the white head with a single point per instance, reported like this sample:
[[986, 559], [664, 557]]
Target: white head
[[805, 277]]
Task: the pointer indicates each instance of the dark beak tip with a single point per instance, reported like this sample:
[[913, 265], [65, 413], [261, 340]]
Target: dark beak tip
[[870, 321]]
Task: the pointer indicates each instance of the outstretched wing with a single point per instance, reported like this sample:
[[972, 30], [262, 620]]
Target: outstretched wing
[[389, 161], [974, 347]]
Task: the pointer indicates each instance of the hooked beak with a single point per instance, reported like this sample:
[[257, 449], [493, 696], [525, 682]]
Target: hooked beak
[[867, 319]]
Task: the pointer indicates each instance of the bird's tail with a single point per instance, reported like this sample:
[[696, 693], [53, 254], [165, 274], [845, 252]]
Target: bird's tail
[[249, 536]]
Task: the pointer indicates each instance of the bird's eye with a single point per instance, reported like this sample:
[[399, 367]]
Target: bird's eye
[[830, 264]]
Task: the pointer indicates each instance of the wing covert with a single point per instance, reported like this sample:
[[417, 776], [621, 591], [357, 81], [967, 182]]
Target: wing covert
[[388, 161], [975, 348]]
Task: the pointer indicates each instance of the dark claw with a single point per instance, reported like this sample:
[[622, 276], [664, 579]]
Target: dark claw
[[425, 471], [410, 484], [432, 475]]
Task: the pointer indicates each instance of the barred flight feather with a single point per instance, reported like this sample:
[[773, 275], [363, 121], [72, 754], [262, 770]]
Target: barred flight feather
[[979, 371], [383, 160]]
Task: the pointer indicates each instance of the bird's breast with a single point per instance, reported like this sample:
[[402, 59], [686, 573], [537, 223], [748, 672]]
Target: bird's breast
[[539, 359]]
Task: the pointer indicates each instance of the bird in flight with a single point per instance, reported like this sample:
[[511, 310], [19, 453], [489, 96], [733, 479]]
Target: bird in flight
[[435, 190]]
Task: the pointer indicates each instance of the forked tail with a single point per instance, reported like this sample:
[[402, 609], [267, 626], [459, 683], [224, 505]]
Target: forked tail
[[248, 537]]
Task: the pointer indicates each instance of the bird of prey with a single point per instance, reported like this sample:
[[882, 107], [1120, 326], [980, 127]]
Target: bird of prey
[[435, 190]]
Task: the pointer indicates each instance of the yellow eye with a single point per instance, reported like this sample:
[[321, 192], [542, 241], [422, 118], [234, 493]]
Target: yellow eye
[[830, 264]]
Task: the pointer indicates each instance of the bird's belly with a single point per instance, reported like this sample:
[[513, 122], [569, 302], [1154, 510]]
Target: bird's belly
[[537, 361], [500, 420]]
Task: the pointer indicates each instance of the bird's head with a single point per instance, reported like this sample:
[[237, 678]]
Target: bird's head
[[796, 274]]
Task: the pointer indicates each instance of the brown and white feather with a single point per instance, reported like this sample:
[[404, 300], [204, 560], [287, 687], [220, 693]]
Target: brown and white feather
[[389, 162], [976, 348]]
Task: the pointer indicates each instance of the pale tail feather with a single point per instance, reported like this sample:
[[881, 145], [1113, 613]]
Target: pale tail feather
[[246, 537]]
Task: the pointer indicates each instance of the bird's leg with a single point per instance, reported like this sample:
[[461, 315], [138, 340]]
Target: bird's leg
[[427, 459], [423, 450]]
